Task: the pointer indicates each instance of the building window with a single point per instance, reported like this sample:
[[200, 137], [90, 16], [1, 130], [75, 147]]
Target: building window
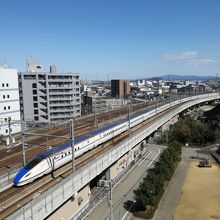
[[8, 96], [7, 85], [4, 107], [3, 85], [6, 131], [3, 96], [34, 98], [35, 92], [9, 107], [35, 111], [6, 119], [35, 105], [36, 118], [34, 85]]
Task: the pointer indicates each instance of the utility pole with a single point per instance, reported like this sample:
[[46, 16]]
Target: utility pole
[[9, 129], [129, 121], [110, 200], [47, 143], [23, 145], [72, 144], [109, 111], [108, 183], [95, 118]]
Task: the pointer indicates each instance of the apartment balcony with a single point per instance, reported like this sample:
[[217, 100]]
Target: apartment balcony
[[61, 110], [61, 116], [60, 81], [60, 92], [61, 86], [54, 104], [61, 98]]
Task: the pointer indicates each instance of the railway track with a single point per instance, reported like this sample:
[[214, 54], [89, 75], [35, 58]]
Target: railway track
[[16, 197], [37, 145]]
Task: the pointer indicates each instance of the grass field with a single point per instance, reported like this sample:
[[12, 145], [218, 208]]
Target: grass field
[[200, 196]]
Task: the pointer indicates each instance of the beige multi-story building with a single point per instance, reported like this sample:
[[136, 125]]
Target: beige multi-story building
[[120, 88]]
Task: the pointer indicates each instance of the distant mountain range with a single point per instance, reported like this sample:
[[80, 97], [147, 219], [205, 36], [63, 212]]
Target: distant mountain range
[[182, 77], [187, 77]]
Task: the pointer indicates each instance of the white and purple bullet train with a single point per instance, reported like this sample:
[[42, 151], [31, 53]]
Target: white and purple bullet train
[[50, 160]]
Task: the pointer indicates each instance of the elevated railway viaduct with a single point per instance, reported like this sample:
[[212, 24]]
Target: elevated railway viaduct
[[75, 187]]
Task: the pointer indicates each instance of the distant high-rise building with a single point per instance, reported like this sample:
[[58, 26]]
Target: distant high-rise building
[[120, 88], [33, 65], [53, 69], [9, 101], [49, 97]]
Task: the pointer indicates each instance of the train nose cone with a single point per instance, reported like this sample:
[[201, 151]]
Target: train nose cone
[[22, 172]]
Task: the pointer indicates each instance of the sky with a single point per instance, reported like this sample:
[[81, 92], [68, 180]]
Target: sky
[[113, 39]]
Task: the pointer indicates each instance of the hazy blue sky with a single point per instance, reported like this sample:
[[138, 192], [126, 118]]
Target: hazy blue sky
[[121, 38]]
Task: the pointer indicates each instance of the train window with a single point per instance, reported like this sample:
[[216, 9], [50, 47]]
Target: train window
[[34, 162]]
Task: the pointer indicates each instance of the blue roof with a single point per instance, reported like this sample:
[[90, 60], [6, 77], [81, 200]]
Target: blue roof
[[93, 133]]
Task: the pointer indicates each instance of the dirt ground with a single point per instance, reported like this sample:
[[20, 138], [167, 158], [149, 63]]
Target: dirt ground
[[200, 196]]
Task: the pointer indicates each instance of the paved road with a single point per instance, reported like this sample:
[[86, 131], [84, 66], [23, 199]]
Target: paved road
[[123, 200]]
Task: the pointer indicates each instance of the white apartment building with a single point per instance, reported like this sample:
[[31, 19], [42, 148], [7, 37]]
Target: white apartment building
[[9, 101]]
